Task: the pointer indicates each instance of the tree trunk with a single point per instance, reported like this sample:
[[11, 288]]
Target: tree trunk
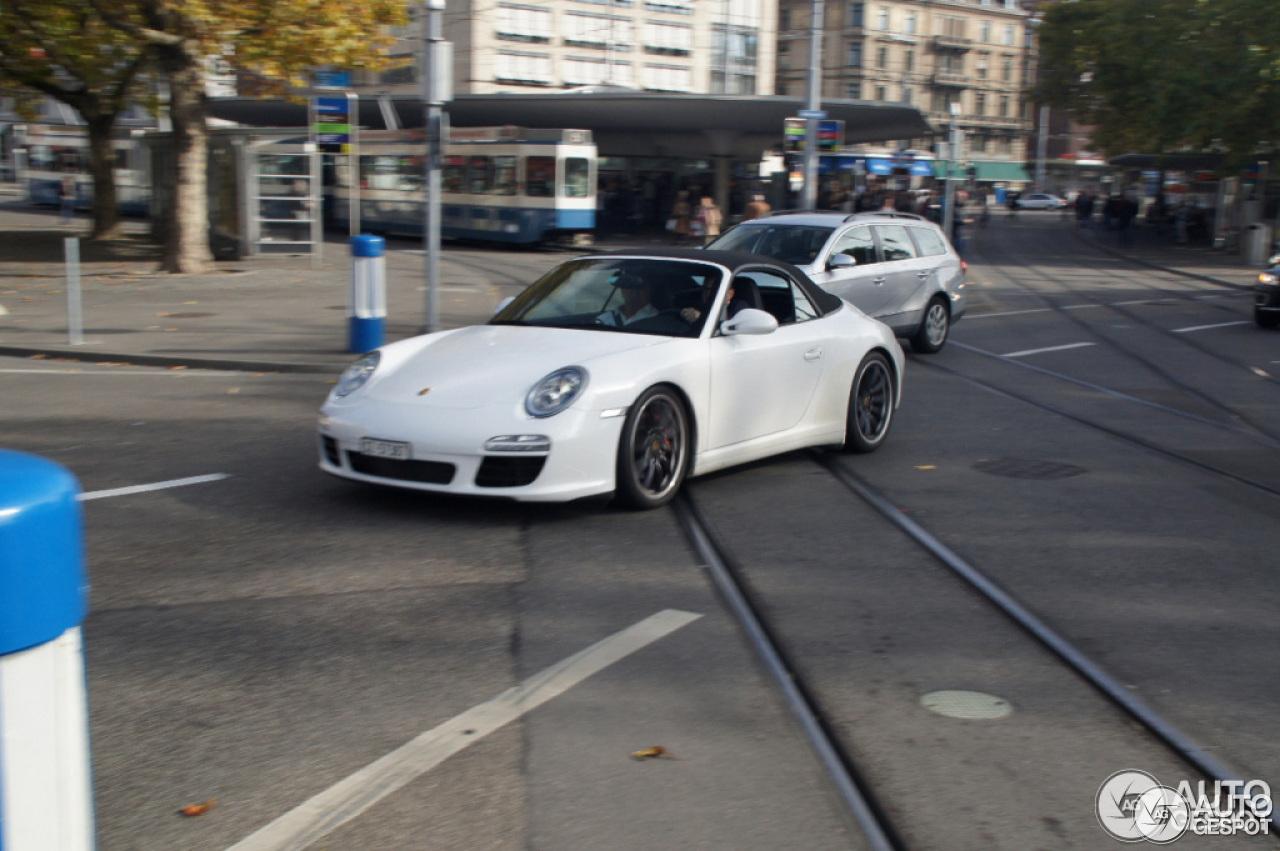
[[106, 213], [186, 249]]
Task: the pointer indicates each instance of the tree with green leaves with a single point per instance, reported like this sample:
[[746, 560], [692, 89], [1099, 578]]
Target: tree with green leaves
[[61, 49], [1162, 76], [277, 41]]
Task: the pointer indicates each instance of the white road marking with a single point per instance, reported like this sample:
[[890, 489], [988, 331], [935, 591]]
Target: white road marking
[[351, 796], [157, 486], [1026, 352], [1207, 327]]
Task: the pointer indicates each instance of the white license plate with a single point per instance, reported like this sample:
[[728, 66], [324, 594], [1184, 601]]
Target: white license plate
[[384, 448]]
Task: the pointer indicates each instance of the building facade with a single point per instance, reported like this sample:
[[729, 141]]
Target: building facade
[[976, 54], [677, 46]]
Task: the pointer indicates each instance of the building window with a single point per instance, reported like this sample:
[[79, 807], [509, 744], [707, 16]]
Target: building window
[[984, 32], [980, 65], [855, 14], [1006, 37], [1006, 71], [979, 104], [855, 54], [979, 144], [854, 90], [529, 68], [882, 18], [784, 19], [667, 78], [667, 39], [882, 57], [597, 31], [1004, 106], [909, 60], [949, 26], [677, 7], [880, 93], [949, 63], [585, 71], [523, 23]]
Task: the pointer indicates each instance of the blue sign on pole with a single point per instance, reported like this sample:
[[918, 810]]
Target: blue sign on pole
[[332, 122], [812, 113]]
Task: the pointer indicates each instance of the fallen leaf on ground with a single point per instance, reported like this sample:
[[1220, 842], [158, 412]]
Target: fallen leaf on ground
[[653, 753], [198, 809]]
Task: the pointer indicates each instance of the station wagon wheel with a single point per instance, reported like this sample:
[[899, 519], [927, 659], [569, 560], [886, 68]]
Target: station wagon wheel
[[870, 405], [653, 452], [934, 327]]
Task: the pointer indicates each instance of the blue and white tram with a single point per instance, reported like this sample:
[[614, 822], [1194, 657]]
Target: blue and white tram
[[504, 184], [44, 154]]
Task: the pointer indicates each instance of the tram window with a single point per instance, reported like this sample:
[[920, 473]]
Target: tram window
[[540, 176], [480, 175], [504, 175], [577, 177], [455, 174], [411, 173]]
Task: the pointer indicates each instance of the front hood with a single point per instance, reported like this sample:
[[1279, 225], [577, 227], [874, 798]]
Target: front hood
[[488, 364]]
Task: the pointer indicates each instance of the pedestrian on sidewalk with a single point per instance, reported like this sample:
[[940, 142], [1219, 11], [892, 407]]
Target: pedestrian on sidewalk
[[708, 219], [67, 199]]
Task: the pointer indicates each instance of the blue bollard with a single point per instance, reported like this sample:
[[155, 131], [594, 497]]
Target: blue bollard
[[46, 794], [368, 294]]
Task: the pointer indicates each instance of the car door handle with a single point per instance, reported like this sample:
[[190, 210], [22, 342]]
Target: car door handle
[[813, 354], [923, 275], [878, 281]]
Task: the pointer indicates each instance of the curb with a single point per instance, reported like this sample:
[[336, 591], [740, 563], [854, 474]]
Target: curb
[[226, 365]]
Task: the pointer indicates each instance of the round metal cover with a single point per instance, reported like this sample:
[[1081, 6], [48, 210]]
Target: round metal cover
[[968, 705], [1024, 468]]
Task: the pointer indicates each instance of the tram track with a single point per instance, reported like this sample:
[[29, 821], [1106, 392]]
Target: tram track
[[1128, 350], [855, 784]]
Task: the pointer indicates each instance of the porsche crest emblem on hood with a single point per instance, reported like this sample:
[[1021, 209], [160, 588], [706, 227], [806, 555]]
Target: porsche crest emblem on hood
[[424, 391]]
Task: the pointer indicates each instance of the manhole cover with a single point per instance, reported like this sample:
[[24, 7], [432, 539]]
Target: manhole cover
[[968, 705], [1024, 468]]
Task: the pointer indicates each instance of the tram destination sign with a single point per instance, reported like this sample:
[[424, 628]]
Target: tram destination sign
[[333, 119]]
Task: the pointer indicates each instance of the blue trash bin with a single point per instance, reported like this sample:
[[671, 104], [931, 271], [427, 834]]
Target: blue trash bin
[[45, 785]]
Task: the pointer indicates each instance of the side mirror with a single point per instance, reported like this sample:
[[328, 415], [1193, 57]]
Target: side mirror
[[502, 305], [1274, 260], [749, 321], [840, 261]]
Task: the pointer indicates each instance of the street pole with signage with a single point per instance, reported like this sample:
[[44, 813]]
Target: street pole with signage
[[437, 90], [953, 160], [336, 128], [809, 198]]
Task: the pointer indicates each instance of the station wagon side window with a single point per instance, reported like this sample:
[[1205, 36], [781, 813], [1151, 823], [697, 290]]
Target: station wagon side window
[[783, 298], [858, 244], [895, 242], [929, 242]]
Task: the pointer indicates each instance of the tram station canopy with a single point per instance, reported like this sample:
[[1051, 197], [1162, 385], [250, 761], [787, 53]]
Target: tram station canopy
[[623, 123]]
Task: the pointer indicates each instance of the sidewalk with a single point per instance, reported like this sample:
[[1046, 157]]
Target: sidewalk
[[282, 314]]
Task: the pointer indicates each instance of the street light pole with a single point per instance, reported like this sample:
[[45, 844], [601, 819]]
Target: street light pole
[[437, 80], [948, 204], [809, 198]]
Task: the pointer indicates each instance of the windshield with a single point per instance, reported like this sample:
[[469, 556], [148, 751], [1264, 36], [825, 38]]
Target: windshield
[[790, 243], [627, 295]]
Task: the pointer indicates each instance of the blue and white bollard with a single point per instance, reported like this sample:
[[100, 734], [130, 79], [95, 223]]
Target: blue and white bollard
[[368, 294], [46, 792]]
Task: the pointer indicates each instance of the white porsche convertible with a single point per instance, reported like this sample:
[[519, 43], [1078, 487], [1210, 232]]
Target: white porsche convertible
[[623, 373]]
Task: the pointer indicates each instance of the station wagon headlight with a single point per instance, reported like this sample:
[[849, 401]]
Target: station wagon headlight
[[556, 392], [1268, 278], [357, 374]]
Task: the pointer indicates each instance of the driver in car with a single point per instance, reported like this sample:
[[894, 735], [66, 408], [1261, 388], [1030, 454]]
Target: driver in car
[[693, 314], [637, 301]]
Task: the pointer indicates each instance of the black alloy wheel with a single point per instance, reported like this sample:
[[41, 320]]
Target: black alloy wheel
[[653, 452], [1266, 318], [870, 405], [934, 327]]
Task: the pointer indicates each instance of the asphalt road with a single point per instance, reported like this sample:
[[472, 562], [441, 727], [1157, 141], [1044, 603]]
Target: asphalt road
[[1100, 438]]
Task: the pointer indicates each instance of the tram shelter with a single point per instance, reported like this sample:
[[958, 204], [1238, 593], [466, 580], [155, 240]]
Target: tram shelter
[[642, 132]]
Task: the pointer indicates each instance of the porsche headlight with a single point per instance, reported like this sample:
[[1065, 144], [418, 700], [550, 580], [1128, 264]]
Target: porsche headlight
[[357, 374], [1268, 278], [556, 392]]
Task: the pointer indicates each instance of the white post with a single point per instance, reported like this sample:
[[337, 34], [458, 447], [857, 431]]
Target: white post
[[1041, 148], [809, 199], [75, 316]]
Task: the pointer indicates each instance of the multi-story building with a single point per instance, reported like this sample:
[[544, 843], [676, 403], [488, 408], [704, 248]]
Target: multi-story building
[[717, 47], [931, 54]]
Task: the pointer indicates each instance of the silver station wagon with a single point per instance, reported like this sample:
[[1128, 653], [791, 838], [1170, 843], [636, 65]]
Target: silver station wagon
[[896, 267]]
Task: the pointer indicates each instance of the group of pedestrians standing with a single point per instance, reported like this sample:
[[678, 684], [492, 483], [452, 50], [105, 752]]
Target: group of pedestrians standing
[[700, 223]]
